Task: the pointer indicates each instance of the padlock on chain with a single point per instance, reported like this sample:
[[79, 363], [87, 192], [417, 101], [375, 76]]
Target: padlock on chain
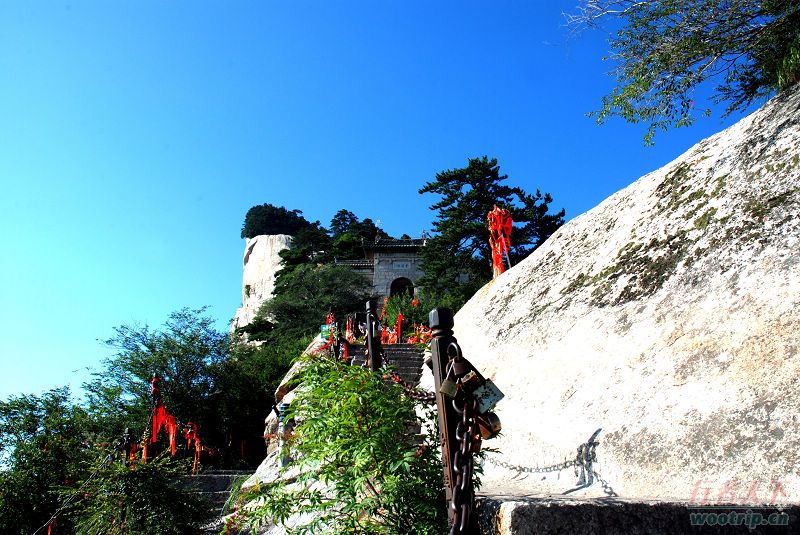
[[487, 395], [475, 446], [449, 387], [470, 382], [483, 390], [488, 425], [461, 367]]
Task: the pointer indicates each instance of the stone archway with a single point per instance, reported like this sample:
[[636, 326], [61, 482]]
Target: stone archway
[[401, 286]]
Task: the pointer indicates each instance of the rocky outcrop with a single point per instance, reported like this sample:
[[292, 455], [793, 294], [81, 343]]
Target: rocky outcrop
[[261, 263], [669, 317]]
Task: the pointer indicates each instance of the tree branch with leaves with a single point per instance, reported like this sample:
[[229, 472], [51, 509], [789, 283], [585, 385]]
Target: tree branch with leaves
[[665, 49]]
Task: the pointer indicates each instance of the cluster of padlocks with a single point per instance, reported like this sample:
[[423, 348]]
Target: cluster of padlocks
[[463, 379]]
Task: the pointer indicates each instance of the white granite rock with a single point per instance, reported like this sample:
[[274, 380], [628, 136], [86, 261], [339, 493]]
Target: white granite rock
[[261, 263], [668, 316]]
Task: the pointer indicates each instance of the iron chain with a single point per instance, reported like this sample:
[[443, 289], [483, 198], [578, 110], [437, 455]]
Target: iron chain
[[411, 391], [468, 438], [585, 457], [537, 470]]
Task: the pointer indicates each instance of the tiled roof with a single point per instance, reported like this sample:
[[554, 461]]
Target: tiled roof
[[356, 264], [388, 244]]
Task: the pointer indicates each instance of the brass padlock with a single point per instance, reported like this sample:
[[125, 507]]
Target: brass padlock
[[489, 425], [470, 382], [448, 388]]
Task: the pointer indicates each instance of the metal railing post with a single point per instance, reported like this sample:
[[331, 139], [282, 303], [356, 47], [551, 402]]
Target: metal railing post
[[441, 322]]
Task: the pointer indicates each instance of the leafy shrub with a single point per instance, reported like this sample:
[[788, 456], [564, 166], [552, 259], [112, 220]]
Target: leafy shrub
[[152, 499], [41, 450], [412, 313], [361, 471]]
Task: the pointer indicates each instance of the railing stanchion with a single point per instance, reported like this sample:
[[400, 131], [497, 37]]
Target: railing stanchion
[[441, 322]]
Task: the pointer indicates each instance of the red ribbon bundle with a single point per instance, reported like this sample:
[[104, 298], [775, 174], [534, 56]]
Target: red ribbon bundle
[[162, 418], [399, 328], [500, 225]]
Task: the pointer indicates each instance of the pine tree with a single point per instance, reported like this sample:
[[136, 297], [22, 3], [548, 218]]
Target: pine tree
[[457, 259]]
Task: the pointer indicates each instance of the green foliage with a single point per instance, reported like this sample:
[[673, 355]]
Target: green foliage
[[349, 235], [152, 499], [304, 295], [310, 244], [47, 443], [788, 70], [352, 437], [185, 353], [314, 243], [269, 219], [665, 49], [42, 449], [222, 387], [245, 385], [457, 260], [411, 314]]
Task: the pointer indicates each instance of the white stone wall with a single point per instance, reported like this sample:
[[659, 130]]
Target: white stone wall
[[260, 264], [391, 266]]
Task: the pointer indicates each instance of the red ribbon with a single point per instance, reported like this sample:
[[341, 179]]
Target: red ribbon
[[500, 225]]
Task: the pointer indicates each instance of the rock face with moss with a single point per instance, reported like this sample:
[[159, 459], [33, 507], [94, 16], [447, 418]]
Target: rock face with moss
[[669, 317], [260, 264]]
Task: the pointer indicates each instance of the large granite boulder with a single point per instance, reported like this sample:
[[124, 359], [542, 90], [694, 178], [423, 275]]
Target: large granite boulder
[[260, 264], [669, 317]]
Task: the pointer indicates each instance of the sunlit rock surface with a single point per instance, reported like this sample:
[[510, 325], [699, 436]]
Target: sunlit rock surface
[[669, 317], [261, 262]]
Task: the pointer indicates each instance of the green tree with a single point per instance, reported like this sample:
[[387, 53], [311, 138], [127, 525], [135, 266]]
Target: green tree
[[349, 234], [664, 49], [245, 387], [43, 449], [304, 295], [341, 221], [311, 244], [457, 260], [153, 499], [269, 219], [184, 352]]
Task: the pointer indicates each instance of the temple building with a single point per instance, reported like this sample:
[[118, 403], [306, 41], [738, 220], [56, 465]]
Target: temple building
[[393, 266]]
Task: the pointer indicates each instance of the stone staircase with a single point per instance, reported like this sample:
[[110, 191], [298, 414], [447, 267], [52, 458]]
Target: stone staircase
[[215, 485], [406, 359], [557, 515]]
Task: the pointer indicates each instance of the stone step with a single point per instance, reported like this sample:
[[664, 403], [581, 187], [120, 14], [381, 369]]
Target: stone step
[[217, 498], [214, 482], [228, 472], [215, 485], [519, 515], [405, 359], [406, 363]]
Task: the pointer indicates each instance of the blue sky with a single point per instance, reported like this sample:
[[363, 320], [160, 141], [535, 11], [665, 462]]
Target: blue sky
[[135, 135]]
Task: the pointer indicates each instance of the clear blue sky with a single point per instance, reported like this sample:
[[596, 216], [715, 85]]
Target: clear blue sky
[[135, 135]]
